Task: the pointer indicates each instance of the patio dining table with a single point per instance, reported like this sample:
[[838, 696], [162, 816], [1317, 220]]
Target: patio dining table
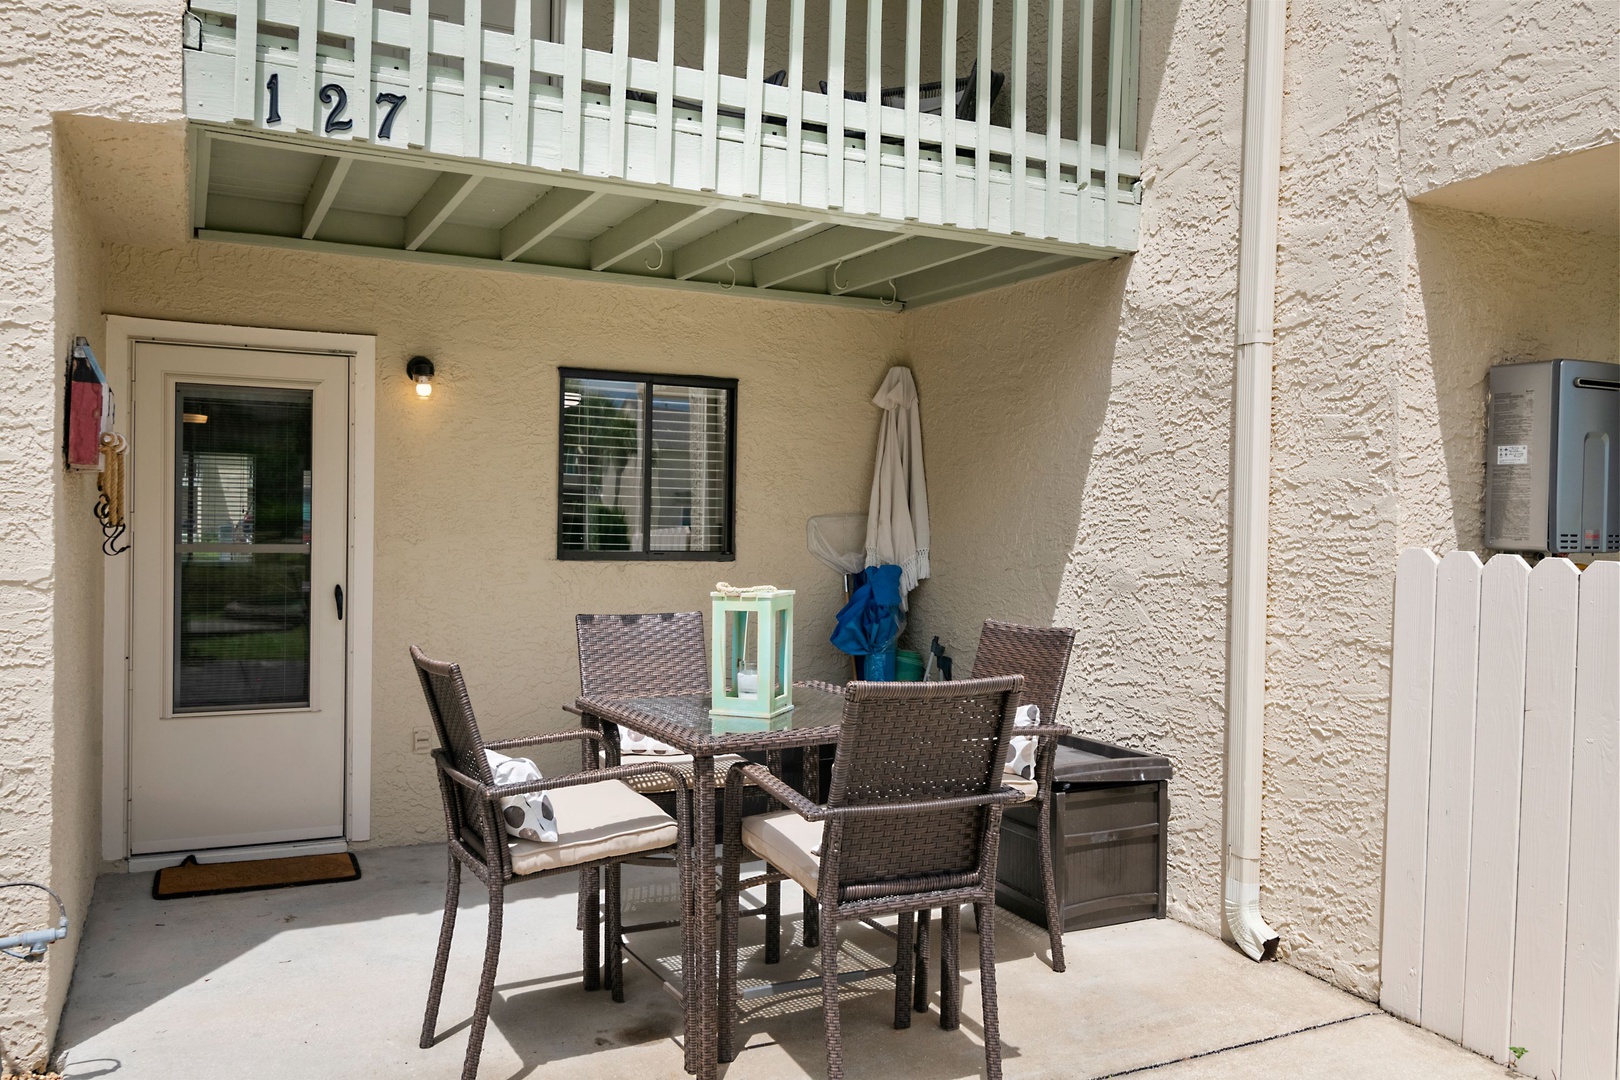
[[683, 722]]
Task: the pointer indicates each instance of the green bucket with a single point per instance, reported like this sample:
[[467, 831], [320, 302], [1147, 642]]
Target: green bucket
[[908, 666]]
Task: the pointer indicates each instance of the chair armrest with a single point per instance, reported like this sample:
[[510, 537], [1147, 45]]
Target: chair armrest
[[782, 792], [1042, 731], [552, 737], [774, 786], [575, 709]]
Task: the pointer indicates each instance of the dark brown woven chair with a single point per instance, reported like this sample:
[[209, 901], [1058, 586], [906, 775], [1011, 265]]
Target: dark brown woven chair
[[912, 822], [1041, 655], [610, 824]]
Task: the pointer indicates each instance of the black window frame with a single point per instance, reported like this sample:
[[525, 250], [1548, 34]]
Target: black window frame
[[728, 551]]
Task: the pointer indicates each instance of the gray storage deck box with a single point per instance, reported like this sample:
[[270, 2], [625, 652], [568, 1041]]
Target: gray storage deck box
[[1110, 808]]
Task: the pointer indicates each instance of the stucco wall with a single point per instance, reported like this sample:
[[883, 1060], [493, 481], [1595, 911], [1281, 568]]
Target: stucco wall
[[466, 561], [1082, 473], [1489, 291], [1077, 437], [49, 626]]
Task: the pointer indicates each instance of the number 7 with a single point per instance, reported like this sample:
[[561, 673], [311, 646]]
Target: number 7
[[393, 101]]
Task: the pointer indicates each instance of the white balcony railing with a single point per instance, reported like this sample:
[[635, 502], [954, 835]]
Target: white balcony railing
[[1051, 157]]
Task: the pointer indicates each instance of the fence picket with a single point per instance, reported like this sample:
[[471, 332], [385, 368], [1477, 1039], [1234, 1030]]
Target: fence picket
[[1020, 118], [307, 104], [709, 155], [981, 93], [364, 28], [753, 107], [664, 124], [795, 109], [1117, 18], [874, 106], [472, 78], [1407, 816], [1493, 856], [1592, 957], [618, 86], [913, 194], [1082, 172], [246, 109], [835, 103], [1541, 918], [947, 111], [1054, 117], [573, 78], [418, 119], [1451, 772], [522, 76]]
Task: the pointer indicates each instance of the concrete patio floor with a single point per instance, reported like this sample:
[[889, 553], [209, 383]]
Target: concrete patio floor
[[330, 980]]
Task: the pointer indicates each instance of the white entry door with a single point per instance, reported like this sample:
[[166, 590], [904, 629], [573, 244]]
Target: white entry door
[[239, 525]]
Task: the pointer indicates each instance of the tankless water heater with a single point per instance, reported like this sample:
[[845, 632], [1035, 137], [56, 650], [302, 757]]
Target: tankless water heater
[[1552, 458]]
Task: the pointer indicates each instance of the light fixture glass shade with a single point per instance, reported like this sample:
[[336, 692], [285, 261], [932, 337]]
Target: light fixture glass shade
[[423, 387]]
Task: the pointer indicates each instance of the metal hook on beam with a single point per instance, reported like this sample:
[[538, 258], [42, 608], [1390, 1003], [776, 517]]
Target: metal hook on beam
[[733, 270], [839, 266], [659, 265]]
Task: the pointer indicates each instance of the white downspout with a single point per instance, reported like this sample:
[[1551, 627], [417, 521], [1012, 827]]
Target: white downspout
[[1251, 469]]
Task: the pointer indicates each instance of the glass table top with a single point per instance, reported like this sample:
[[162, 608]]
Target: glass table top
[[684, 719]]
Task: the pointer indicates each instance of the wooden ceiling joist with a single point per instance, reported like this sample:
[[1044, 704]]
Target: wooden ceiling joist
[[274, 189]]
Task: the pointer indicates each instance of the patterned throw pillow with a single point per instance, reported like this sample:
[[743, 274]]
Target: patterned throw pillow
[[527, 817], [633, 742], [1021, 748]]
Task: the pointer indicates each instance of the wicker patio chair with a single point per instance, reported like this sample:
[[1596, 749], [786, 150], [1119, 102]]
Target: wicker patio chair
[[912, 821], [1041, 655], [602, 823], [649, 656]]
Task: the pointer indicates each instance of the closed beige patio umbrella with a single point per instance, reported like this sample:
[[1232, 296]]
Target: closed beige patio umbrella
[[897, 518]]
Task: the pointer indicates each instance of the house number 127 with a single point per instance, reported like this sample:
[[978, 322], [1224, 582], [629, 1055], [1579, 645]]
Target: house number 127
[[337, 98]]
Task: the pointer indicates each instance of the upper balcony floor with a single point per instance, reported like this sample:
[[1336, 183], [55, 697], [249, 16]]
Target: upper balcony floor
[[865, 153]]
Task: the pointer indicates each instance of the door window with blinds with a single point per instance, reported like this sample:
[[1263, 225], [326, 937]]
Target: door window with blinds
[[647, 466]]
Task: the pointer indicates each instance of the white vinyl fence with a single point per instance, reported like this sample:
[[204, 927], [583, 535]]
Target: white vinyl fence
[[1502, 857]]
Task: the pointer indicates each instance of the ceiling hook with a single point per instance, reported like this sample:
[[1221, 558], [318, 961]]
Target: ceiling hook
[[733, 270], [837, 287], [894, 294], [659, 265]]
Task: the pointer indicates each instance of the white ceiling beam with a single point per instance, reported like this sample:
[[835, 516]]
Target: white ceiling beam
[[439, 203], [987, 266], [548, 213], [739, 240], [642, 228], [1039, 267], [323, 191], [818, 252], [917, 254]]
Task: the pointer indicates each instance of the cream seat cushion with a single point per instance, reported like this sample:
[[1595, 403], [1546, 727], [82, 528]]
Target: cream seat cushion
[[1027, 788], [786, 841], [596, 821]]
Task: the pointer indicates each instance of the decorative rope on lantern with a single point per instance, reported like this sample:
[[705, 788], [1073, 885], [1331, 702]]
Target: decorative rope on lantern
[[110, 507]]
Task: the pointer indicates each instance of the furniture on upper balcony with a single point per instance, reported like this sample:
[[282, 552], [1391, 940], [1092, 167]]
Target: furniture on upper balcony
[[342, 122]]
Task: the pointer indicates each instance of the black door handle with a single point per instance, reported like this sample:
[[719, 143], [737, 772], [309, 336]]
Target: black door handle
[[337, 594]]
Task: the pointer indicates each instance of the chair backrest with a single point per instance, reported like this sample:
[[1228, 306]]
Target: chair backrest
[[453, 720], [648, 655], [1039, 653], [908, 743]]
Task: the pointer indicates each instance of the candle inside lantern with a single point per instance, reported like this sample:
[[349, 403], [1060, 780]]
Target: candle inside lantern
[[748, 681]]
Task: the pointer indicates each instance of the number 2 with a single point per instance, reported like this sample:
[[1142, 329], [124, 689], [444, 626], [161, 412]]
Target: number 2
[[334, 95]]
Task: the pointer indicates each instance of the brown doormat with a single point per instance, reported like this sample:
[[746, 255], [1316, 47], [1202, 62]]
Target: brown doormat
[[192, 878]]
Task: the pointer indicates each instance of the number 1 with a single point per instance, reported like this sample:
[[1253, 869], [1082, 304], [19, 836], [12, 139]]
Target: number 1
[[274, 86]]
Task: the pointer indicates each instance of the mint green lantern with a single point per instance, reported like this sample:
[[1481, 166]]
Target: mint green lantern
[[751, 657]]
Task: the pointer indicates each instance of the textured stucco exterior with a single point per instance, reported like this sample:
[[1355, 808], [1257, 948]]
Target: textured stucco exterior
[[50, 652], [1083, 421], [1078, 426]]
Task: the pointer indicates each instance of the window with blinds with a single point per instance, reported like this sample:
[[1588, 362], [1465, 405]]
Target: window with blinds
[[646, 466]]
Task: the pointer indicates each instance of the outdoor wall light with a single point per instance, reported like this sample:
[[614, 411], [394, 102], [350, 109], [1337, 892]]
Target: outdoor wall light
[[420, 370]]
